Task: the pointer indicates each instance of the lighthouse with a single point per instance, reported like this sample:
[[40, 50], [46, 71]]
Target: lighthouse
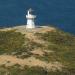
[[30, 19]]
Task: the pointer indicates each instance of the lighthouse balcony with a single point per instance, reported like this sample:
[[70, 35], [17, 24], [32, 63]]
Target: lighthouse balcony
[[30, 16]]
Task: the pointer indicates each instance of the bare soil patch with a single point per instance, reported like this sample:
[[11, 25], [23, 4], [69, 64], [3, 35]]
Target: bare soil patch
[[31, 61]]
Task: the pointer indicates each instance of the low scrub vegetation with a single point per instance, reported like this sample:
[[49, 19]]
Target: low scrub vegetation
[[10, 40], [17, 70], [15, 43], [63, 45]]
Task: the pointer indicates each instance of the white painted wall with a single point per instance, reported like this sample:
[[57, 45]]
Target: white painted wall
[[30, 23]]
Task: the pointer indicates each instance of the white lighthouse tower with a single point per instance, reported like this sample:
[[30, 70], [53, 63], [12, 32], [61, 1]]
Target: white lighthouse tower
[[30, 19]]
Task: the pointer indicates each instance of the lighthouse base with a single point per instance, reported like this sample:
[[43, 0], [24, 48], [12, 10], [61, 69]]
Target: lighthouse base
[[30, 24]]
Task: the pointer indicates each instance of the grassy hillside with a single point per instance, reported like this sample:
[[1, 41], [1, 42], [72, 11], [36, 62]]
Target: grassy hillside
[[15, 43], [61, 45]]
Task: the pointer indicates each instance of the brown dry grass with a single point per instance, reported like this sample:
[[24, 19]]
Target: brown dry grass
[[31, 61]]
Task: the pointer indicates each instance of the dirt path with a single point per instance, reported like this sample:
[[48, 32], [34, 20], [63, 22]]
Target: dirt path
[[34, 38], [30, 33]]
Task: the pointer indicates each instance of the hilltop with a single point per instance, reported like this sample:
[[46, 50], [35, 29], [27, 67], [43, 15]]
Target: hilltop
[[41, 51]]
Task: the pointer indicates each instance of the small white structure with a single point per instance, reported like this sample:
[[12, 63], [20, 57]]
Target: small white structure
[[30, 19]]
